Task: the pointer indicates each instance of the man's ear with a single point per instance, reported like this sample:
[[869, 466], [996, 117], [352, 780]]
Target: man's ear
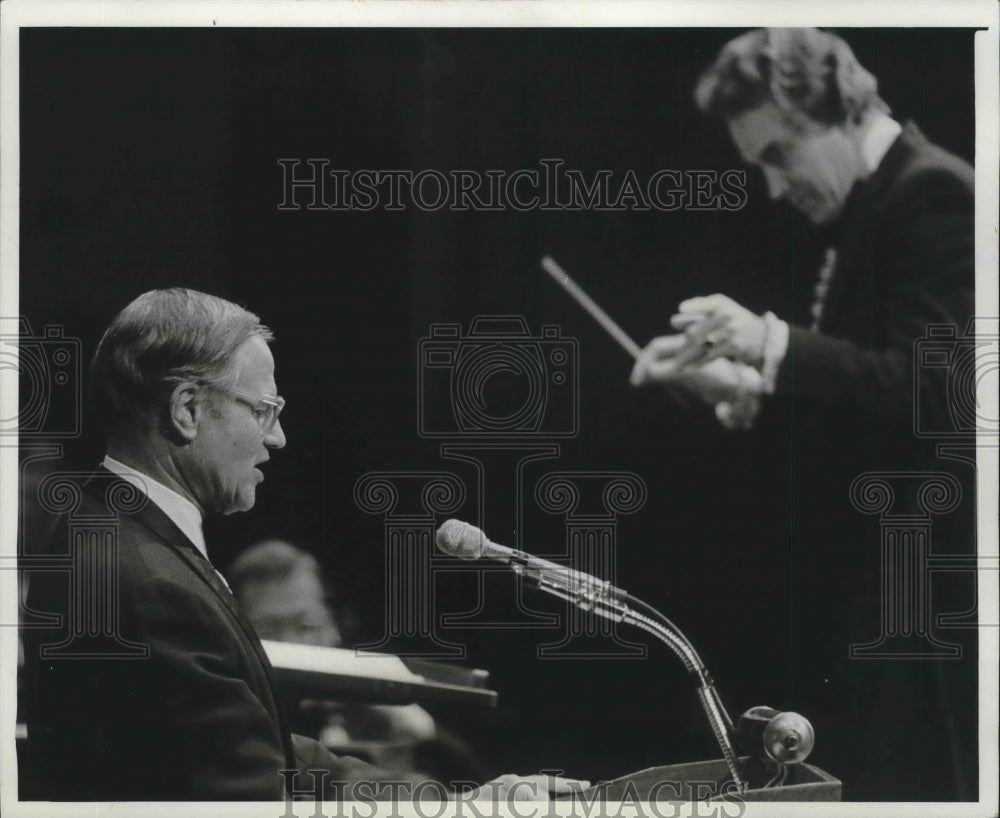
[[187, 404]]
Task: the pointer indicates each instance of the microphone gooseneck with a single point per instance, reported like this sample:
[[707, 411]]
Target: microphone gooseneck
[[468, 542]]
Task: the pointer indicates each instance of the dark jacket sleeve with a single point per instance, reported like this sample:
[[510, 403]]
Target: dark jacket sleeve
[[922, 258], [182, 722], [227, 745], [171, 698], [234, 750]]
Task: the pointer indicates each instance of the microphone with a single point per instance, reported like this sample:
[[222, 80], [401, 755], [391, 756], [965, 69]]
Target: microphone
[[467, 542]]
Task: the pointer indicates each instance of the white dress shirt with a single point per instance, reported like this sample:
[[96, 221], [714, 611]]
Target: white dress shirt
[[181, 511]]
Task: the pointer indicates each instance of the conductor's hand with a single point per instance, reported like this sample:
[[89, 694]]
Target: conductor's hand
[[715, 326], [509, 788], [720, 379]]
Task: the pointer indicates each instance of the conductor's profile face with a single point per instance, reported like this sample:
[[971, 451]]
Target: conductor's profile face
[[811, 165], [237, 426]]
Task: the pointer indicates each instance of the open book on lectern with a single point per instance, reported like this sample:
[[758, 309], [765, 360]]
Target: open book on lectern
[[345, 674]]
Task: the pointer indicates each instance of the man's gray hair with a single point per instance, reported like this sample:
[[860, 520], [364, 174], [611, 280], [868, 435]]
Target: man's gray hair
[[801, 70], [161, 339]]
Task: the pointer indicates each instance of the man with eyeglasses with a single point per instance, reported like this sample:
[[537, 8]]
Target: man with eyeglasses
[[173, 699]]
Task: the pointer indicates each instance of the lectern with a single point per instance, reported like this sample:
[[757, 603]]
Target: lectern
[[710, 781]]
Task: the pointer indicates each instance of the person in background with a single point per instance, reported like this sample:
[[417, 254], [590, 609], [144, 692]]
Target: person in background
[[285, 595]]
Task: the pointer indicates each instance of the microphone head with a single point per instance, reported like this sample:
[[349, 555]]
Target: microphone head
[[461, 540], [789, 738]]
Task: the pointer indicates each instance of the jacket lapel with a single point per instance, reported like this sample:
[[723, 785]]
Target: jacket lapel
[[860, 217], [156, 520]]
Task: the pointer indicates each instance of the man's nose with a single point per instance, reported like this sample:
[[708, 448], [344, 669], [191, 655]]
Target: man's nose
[[275, 439], [777, 186]]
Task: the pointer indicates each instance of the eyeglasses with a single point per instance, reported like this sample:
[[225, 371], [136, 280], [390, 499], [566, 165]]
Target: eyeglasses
[[265, 408]]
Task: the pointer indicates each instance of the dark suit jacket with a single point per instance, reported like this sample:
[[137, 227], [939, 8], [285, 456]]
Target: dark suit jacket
[[160, 690], [845, 405], [905, 249]]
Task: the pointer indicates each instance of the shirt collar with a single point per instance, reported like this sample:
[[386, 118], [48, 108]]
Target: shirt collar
[[886, 136], [877, 141], [181, 511]]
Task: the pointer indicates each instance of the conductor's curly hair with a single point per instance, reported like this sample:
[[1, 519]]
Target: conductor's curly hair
[[801, 70]]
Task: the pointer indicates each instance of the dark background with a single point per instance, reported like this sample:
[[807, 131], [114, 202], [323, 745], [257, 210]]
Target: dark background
[[149, 159]]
